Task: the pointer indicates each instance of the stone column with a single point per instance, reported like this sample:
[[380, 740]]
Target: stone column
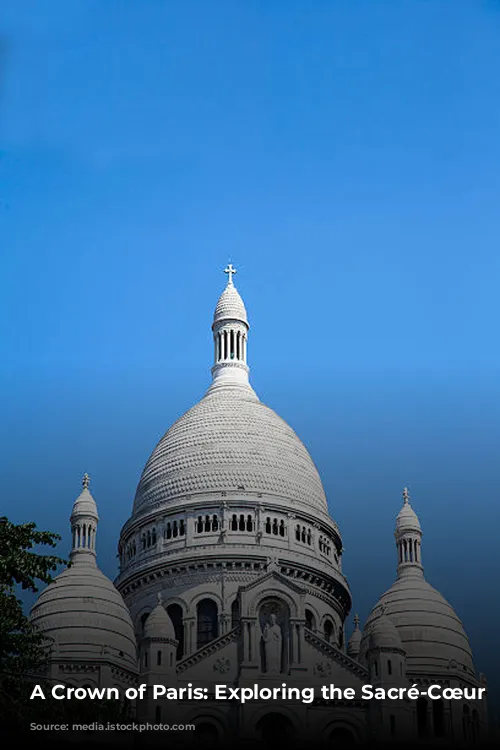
[[189, 624]]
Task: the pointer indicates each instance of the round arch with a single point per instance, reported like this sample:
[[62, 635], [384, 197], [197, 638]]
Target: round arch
[[274, 593], [340, 733], [197, 598], [208, 719], [274, 727]]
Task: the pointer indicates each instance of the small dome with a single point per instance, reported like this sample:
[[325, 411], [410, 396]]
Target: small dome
[[354, 643], [430, 631], [230, 306], [407, 519], [383, 633], [85, 504], [159, 624], [85, 617]]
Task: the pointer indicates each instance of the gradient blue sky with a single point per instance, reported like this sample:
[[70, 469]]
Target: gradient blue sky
[[346, 156]]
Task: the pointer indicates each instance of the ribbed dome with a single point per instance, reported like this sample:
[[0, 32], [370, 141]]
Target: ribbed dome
[[230, 441], [86, 617], [85, 505], [159, 624], [383, 633], [430, 631], [407, 519], [230, 306], [354, 643]]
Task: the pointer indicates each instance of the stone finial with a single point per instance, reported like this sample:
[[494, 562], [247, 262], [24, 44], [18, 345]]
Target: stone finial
[[356, 621], [159, 596], [85, 481], [230, 270], [406, 496]]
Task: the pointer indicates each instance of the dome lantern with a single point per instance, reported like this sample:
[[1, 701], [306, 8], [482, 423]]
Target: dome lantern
[[83, 520], [408, 536], [230, 332]]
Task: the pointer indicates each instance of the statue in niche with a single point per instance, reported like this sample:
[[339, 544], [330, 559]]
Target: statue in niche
[[273, 643]]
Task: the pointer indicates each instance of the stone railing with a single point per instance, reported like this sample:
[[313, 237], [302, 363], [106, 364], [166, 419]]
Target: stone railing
[[334, 653], [211, 648]]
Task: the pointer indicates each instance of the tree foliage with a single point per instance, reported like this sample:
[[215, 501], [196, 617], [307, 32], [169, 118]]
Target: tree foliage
[[22, 649]]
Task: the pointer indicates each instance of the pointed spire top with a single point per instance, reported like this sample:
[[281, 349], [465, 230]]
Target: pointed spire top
[[406, 496], [85, 481], [230, 270], [356, 621]]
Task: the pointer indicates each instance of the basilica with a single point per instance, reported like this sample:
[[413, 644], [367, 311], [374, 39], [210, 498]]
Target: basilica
[[231, 573]]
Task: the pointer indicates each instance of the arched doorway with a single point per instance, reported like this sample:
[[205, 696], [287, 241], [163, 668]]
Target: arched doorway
[[174, 611], [206, 622], [341, 737], [422, 717], [206, 734], [438, 717], [274, 729]]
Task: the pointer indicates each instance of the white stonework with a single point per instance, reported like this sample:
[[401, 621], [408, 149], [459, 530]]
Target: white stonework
[[84, 617], [231, 569]]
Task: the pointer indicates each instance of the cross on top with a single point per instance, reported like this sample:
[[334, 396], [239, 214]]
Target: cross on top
[[85, 481], [230, 270], [406, 495], [356, 621]]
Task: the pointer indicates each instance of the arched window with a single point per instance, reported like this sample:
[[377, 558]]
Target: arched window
[[215, 523], [158, 658], [310, 623], [235, 613], [242, 522], [174, 611], [282, 528], [422, 717], [249, 523], [438, 717], [297, 533], [389, 666], [207, 622], [234, 522], [328, 630], [275, 527], [268, 525], [340, 641], [199, 525], [465, 722]]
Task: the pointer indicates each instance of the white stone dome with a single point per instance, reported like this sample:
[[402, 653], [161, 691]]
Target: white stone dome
[[407, 519], [230, 441], [159, 624], [383, 633], [85, 617], [354, 643], [430, 631], [230, 306]]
